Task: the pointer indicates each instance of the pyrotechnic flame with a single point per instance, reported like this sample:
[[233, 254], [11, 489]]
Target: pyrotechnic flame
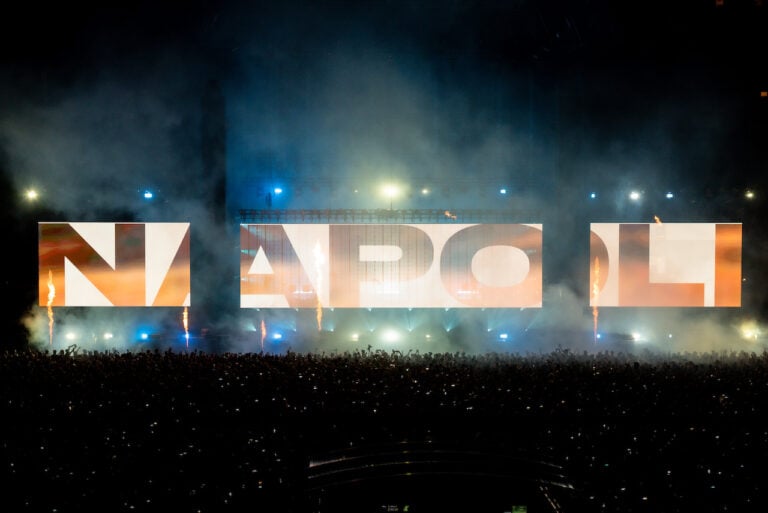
[[656, 218], [449, 215], [51, 295], [263, 333], [595, 294], [185, 322], [319, 261]]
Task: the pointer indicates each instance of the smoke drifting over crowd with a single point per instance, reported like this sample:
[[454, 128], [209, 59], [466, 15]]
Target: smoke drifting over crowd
[[551, 101]]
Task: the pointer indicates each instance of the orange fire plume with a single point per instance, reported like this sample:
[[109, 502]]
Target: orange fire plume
[[185, 322], [656, 218], [263, 333], [595, 295], [51, 295], [319, 261]]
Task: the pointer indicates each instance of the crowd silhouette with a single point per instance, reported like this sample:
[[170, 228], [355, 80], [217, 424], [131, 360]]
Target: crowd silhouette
[[192, 431]]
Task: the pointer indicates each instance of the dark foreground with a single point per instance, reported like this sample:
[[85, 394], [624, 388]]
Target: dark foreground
[[163, 431]]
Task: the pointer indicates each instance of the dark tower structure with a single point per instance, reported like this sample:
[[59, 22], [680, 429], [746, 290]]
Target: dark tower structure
[[214, 276], [213, 135]]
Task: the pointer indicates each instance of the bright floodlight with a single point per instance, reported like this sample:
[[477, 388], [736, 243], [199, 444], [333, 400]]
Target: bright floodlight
[[424, 191], [593, 195], [31, 194], [148, 195], [670, 195], [278, 190], [634, 195], [390, 335], [502, 190], [749, 194], [390, 190]]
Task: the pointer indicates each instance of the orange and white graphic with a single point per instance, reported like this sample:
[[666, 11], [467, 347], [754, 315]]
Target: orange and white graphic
[[391, 265], [667, 264], [114, 264]]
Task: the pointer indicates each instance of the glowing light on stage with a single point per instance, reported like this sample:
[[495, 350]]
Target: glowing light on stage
[[502, 191], [263, 333], [390, 335], [278, 190], [749, 194], [185, 323], [656, 219], [450, 215], [31, 195], [749, 330], [595, 296], [148, 195], [51, 296], [670, 195], [592, 195], [319, 262]]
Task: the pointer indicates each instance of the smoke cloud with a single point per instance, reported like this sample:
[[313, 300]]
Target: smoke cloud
[[331, 100]]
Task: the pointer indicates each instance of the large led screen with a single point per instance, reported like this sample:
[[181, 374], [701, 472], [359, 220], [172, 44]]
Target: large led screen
[[666, 264], [390, 265], [114, 264]]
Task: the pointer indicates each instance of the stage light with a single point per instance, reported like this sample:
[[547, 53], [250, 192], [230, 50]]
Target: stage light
[[31, 195], [277, 336], [390, 335], [749, 194], [502, 191], [277, 190], [424, 191], [670, 195], [503, 336], [593, 195], [390, 191], [634, 195], [148, 195]]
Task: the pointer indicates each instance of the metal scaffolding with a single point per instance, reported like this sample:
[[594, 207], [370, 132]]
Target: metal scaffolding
[[380, 216]]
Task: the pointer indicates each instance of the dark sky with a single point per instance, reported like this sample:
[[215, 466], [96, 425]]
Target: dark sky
[[98, 102], [547, 92]]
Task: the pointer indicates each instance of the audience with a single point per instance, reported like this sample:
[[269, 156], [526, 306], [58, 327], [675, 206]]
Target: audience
[[192, 431]]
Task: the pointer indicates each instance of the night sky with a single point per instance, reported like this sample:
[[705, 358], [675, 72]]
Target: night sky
[[552, 99]]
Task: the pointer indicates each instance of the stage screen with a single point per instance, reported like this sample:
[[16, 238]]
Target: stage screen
[[114, 264], [666, 264], [390, 265]]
